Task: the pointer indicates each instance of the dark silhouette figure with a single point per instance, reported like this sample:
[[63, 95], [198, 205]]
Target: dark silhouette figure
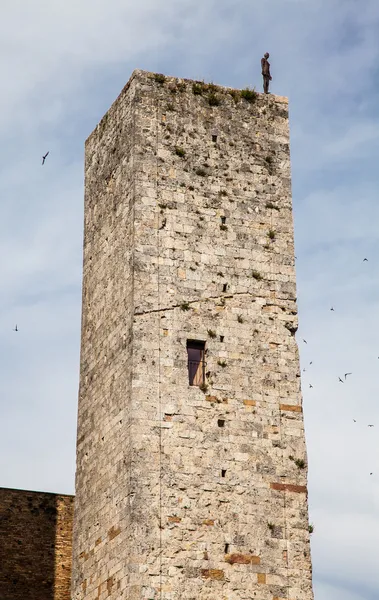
[[266, 72], [16, 328], [44, 158]]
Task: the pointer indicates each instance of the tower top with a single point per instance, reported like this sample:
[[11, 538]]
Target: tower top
[[215, 94]]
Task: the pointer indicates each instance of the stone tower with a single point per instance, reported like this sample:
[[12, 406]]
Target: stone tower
[[191, 461]]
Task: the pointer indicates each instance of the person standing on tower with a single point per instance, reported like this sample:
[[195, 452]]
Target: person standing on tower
[[266, 72]]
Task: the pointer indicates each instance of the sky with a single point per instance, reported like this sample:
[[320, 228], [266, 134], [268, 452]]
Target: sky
[[63, 63]]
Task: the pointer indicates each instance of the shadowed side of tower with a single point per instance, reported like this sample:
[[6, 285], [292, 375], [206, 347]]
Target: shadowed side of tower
[[190, 402]]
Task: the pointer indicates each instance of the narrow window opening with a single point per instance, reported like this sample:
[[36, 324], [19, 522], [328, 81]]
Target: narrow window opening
[[224, 287], [223, 220], [214, 138], [196, 362], [222, 337], [226, 549], [223, 472], [221, 422]]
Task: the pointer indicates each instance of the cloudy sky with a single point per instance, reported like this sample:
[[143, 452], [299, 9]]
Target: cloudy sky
[[63, 62]]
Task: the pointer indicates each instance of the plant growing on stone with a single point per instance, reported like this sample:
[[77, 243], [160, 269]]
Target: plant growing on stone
[[203, 387], [256, 275], [223, 193], [222, 363], [291, 457], [198, 89], [240, 319], [180, 152], [213, 100], [311, 528], [201, 172], [185, 306], [249, 95], [159, 78], [271, 234], [271, 205], [236, 95], [211, 333], [299, 462], [223, 227], [271, 526]]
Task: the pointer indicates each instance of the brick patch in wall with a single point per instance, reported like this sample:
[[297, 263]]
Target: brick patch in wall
[[289, 487], [291, 407], [213, 574], [113, 532], [242, 559]]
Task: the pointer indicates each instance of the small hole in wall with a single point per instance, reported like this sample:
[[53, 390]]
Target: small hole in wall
[[226, 548], [224, 287], [222, 337], [223, 220], [223, 472], [221, 422], [214, 138]]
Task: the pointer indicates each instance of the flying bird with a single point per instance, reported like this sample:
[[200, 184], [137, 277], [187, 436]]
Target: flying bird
[[370, 425], [332, 308], [16, 328], [354, 420], [370, 473], [311, 362], [346, 374], [310, 385], [365, 259], [303, 370], [305, 341], [45, 157], [339, 379]]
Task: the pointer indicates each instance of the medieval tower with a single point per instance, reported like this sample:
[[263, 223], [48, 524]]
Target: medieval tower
[[191, 461]]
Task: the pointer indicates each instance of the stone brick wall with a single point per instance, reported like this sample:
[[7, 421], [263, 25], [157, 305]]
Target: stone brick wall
[[189, 235], [35, 545]]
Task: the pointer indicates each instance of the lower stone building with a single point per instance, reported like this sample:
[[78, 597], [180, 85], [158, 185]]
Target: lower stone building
[[35, 545]]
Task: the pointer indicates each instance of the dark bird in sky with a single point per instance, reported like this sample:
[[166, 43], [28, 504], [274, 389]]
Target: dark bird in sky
[[16, 328], [339, 379], [303, 370], [354, 420], [332, 308], [310, 385], [370, 425], [305, 341], [370, 473], [45, 157], [311, 362], [346, 374], [365, 259]]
